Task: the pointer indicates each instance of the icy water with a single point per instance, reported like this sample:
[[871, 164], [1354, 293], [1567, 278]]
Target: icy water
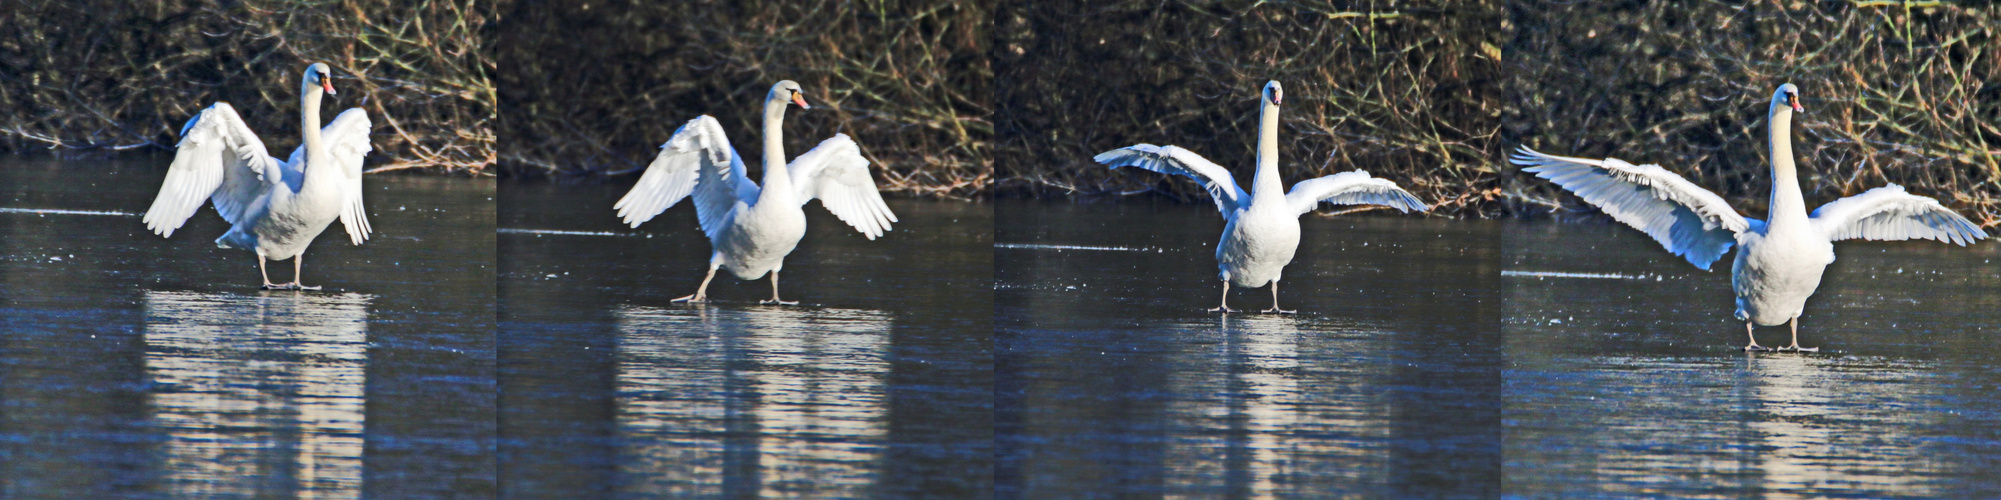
[[138, 366], [879, 383], [1626, 375], [1476, 358], [1111, 380]]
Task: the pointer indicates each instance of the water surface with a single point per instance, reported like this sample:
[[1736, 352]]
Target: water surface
[[1111, 380], [879, 383], [134, 365], [1626, 373]]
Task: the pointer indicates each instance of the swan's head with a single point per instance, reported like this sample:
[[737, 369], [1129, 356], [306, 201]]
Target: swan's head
[[1788, 96], [788, 90], [320, 76], [1274, 94]]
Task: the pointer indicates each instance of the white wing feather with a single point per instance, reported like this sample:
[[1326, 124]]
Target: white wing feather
[[1889, 214], [1686, 219], [218, 159], [1176, 161], [836, 173], [697, 160], [347, 142], [1351, 188]]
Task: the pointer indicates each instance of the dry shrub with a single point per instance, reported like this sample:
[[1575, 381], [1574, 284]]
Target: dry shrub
[[592, 88], [93, 76], [1898, 92], [1404, 90]]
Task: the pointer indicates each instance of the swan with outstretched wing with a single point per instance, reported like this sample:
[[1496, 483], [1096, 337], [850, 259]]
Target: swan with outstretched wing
[[275, 208], [1779, 261], [752, 228], [1263, 225]]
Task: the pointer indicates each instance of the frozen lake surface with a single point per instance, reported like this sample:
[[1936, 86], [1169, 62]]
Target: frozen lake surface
[[1476, 358], [132, 365], [880, 383]]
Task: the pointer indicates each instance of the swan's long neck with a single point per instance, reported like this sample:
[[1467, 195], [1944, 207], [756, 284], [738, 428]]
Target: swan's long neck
[[1266, 179], [776, 179], [309, 128], [1788, 206]]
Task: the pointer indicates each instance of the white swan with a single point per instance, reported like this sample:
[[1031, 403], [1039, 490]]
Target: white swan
[[275, 208], [1263, 228], [752, 229], [1779, 262]]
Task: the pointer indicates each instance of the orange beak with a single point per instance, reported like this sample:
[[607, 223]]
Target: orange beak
[[329, 86], [800, 100]]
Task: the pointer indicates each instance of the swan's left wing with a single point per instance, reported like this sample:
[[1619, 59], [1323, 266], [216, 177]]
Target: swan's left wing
[[1687, 219], [1889, 214], [347, 143], [836, 173], [1173, 160], [1350, 188]]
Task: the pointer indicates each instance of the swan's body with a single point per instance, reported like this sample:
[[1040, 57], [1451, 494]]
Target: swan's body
[[275, 208], [1262, 229], [750, 227], [1779, 262]]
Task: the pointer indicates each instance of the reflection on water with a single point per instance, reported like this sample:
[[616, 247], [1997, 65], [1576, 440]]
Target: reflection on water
[[1638, 387], [1261, 425], [1808, 426], [127, 359], [1841, 424], [767, 401], [258, 394], [608, 390], [1111, 380]]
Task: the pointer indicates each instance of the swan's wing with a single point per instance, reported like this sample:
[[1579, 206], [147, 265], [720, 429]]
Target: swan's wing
[[218, 159], [697, 160], [347, 143], [1351, 188], [1889, 214], [1176, 161], [836, 174], [1689, 220]]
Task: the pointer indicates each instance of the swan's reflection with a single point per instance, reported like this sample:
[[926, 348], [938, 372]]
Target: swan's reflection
[[751, 402], [259, 394], [1270, 427], [1788, 425], [1830, 424]]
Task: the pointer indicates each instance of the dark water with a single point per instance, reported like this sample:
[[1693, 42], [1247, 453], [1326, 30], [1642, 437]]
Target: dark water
[[1112, 381], [1627, 378], [1476, 358], [879, 383], [132, 365], [1016, 350]]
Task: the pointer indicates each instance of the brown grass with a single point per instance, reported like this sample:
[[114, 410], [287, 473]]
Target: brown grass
[[1404, 90], [590, 89], [1893, 94], [89, 77]]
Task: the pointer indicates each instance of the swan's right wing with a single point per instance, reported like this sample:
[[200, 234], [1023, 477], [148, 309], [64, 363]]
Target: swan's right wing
[[1686, 219], [347, 143], [836, 174], [1176, 161], [697, 160], [218, 159], [1889, 214]]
